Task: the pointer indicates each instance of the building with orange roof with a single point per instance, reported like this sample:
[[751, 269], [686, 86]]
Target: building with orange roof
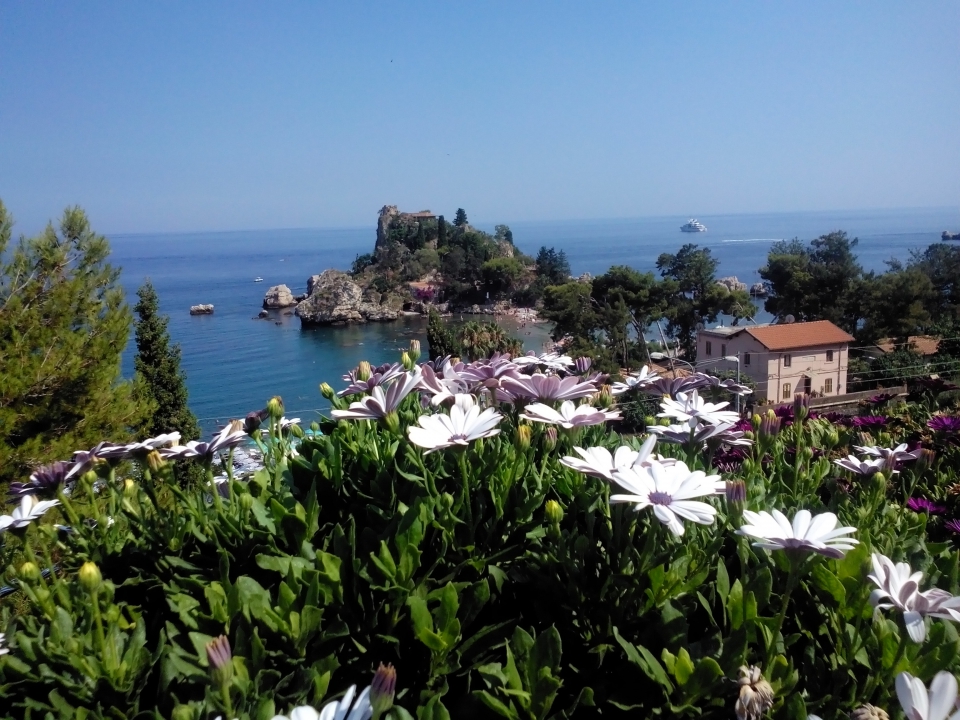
[[782, 359]]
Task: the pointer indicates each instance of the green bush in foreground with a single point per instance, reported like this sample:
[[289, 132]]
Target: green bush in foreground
[[499, 579]]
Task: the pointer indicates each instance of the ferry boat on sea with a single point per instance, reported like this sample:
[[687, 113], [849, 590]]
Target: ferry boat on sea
[[693, 226], [258, 279]]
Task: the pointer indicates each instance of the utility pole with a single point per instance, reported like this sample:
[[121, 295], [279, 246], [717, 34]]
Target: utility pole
[[738, 381]]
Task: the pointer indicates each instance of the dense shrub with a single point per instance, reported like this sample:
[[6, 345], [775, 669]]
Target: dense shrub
[[499, 579]]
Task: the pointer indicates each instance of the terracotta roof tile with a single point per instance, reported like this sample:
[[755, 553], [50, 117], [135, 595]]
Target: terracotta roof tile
[[787, 336], [923, 344]]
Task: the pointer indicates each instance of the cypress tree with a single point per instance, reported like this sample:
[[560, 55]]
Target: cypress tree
[[461, 218], [63, 326], [157, 364], [441, 232]]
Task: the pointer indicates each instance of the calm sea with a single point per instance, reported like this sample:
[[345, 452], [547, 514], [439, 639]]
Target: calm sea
[[235, 362]]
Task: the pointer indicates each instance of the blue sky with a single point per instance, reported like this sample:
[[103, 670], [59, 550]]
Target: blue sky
[[172, 116]]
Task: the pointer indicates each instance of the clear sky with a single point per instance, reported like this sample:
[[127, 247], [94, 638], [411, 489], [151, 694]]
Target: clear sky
[[166, 116]]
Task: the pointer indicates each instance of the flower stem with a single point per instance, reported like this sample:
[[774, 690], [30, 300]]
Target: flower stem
[[778, 625]]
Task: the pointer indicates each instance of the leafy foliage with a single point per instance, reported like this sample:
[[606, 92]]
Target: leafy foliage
[[63, 326]]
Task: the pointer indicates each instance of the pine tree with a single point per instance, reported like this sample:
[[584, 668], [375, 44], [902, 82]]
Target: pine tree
[[63, 327], [461, 218], [440, 341], [158, 365]]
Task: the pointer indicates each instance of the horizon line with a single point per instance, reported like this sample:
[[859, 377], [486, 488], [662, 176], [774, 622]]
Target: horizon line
[[109, 234]]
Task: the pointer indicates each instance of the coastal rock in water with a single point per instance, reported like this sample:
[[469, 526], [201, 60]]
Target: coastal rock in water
[[335, 299], [279, 296], [732, 283], [758, 289], [262, 314], [201, 309]]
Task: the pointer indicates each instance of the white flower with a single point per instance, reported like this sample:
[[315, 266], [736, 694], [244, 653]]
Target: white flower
[[464, 424], [30, 509], [900, 587], [548, 387], [668, 489], [818, 534], [285, 423], [378, 404], [718, 434], [552, 361], [693, 409], [598, 462], [636, 381], [231, 436], [893, 455], [145, 446], [756, 695], [570, 415], [860, 467], [336, 710], [3, 649], [918, 704], [443, 387]]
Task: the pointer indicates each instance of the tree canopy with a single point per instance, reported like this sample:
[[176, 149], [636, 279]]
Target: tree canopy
[[63, 327]]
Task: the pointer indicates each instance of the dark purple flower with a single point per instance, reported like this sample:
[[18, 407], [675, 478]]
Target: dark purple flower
[[944, 423], [252, 422], [45, 479], [935, 385], [881, 399], [743, 425], [953, 526], [730, 460], [869, 421], [839, 419], [923, 505]]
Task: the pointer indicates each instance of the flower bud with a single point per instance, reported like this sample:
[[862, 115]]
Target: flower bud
[[382, 689], [246, 501], [869, 712], [254, 420], [129, 488], [414, 351], [832, 438], [392, 422], [183, 712], [328, 392], [664, 422], [925, 461], [553, 512], [90, 577], [769, 425], [522, 440], [446, 502], [582, 365], [407, 361], [550, 438], [296, 431], [736, 494], [89, 477], [155, 461], [801, 406], [364, 371], [29, 572], [315, 426], [649, 420], [604, 398], [275, 407], [755, 421], [453, 361], [220, 658]]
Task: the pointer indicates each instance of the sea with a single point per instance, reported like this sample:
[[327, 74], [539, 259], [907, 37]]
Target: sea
[[235, 362]]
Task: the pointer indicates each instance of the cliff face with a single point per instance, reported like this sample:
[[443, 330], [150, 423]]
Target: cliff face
[[334, 299]]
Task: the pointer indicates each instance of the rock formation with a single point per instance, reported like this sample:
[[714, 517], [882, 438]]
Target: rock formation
[[732, 283], [201, 309], [279, 296], [758, 289], [334, 299]]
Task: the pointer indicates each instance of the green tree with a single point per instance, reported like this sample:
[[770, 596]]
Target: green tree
[[822, 281], [572, 311], [63, 327], [158, 364], [896, 304], [940, 263], [480, 340], [440, 341], [501, 275], [629, 302], [552, 266], [441, 232], [503, 233], [460, 219], [693, 297]]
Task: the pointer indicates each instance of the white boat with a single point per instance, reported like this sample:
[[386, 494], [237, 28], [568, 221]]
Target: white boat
[[258, 279], [693, 226]]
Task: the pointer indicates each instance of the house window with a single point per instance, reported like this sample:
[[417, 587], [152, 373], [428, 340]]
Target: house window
[[709, 348], [723, 350], [786, 391], [746, 358], [828, 385], [829, 355], [787, 359]]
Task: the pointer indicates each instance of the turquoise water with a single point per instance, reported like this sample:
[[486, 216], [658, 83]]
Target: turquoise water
[[234, 362]]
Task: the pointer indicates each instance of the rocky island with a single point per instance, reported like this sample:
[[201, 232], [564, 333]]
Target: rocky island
[[420, 262]]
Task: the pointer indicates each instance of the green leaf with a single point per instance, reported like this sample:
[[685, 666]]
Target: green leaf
[[683, 668], [423, 624], [826, 581], [642, 658], [723, 582]]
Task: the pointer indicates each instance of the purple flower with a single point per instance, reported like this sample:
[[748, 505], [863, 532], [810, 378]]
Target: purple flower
[[919, 505], [45, 479], [881, 399], [944, 423], [953, 525], [869, 421], [671, 386], [582, 364], [838, 419], [379, 376], [549, 387]]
